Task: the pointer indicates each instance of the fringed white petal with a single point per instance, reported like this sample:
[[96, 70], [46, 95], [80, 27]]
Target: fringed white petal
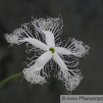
[[63, 68], [59, 61], [77, 48], [49, 38], [49, 27], [36, 43], [54, 25], [33, 73], [43, 59], [69, 77], [61, 50]]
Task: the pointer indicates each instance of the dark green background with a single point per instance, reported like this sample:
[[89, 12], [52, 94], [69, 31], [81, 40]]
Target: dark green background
[[83, 20]]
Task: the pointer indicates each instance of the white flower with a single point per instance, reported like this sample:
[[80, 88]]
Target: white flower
[[48, 48]]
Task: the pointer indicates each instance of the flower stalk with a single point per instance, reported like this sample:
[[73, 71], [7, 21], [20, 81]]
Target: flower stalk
[[10, 78]]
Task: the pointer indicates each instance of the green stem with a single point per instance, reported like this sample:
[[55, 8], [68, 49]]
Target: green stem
[[10, 78]]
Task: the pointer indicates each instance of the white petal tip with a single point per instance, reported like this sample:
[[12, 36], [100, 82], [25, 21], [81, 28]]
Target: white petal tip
[[78, 48], [14, 37], [33, 77], [73, 82]]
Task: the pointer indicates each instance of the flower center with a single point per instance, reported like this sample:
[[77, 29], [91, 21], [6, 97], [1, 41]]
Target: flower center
[[52, 50]]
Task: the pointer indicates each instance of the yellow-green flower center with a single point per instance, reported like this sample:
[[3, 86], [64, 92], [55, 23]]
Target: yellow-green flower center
[[52, 50]]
